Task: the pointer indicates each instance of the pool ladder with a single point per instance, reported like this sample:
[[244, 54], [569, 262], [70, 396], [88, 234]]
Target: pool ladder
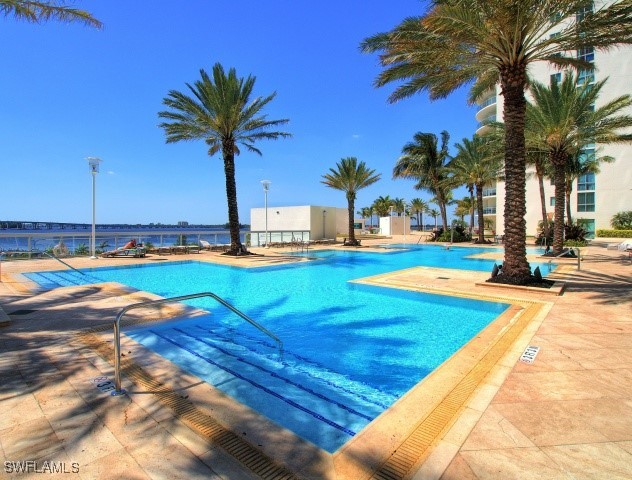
[[117, 329]]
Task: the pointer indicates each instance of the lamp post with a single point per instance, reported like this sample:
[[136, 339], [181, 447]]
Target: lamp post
[[324, 215], [93, 163], [266, 187], [404, 202]]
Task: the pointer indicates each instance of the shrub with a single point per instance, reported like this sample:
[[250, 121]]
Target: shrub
[[622, 220], [614, 233], [81, 249], [575, 232]]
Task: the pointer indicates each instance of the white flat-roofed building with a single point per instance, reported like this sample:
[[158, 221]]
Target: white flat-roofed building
[[306, 223]]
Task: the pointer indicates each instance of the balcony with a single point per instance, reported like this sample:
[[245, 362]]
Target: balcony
[[489, 192], [489, 211]]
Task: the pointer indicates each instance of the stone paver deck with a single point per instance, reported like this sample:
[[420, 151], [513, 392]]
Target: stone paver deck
[[568, 415]]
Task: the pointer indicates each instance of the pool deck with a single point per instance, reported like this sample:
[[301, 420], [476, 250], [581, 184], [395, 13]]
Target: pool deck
[[567, 415]]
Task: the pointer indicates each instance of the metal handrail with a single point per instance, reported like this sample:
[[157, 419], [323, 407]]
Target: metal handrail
[[117, 328], [64, 263]]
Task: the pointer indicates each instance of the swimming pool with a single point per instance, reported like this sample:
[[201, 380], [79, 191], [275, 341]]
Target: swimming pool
[[351, 350]]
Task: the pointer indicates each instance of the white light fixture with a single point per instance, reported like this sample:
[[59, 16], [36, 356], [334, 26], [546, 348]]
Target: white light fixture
[[266, 188], [93, 163]]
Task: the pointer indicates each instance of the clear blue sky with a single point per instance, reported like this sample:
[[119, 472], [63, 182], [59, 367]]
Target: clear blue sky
[[69, 91]]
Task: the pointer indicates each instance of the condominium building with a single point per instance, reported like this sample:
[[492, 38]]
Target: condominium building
[[595, 198]]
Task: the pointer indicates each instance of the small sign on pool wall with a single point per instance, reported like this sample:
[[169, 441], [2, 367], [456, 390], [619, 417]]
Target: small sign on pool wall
[[529, 354]]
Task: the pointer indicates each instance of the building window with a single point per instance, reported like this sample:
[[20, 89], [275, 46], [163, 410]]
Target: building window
[[552, 201], [586, 202], [587, 54], [556, 77], [583, 11], [589, 226], [586, 182], [586, 76]]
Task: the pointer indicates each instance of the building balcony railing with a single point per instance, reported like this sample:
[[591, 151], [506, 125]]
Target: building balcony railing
[[487, 102], [486, 121], [489, 192], [489, 211]]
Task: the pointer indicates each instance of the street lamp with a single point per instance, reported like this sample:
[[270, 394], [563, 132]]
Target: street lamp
[[324, 215], [266, 187], [404, 202], [93, 163]]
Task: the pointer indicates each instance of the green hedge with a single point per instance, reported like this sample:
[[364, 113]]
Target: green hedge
[[614, 233]]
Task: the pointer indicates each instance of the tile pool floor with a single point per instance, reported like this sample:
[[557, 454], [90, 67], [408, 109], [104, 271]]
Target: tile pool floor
[[567, 415]]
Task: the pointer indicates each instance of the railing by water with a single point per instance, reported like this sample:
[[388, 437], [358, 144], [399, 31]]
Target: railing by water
[[117, 328]]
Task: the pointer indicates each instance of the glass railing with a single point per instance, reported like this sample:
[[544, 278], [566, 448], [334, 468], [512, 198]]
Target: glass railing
[[489, 192], [487, 102], [489, 211], [486, 121]]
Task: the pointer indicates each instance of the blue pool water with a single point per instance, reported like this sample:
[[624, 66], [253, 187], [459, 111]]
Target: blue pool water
[[351, 350]]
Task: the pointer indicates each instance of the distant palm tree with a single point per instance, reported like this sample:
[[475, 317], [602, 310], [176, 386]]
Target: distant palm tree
[[40, 12], [350, 176], [221, 113], [466, 206], [434, 213], [382, 205], [478, 162], [419, 206], [425, 161], [399, 205], [562, 120], [366, 212], [456, 43]]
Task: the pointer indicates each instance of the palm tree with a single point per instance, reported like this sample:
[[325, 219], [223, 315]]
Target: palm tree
[[466, 206], [350, 176], [578, 165], [366, 212], [419, 207], [382, 205], [538, 159], [40, 12], [434, 213], [424, 161], [478, 162], [562, 120], [457, 43], [221, 113], [399, 205]]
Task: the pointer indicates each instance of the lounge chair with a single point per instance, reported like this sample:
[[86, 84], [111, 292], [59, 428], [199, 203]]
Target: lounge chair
[[127, 250], [204, 245]]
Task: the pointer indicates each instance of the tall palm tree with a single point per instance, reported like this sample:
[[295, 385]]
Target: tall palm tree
[[222, 113], [478, 162], [419, 207], [483, 43], [40, 12], [424, 161], [562, 120], [382, 205], [350, 176]]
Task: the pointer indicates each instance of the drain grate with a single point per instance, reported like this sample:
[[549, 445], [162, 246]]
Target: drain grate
[[206, 426], [443, 278], [22, 312]]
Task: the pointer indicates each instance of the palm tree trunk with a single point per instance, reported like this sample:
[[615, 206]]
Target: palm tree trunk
[[515, 267], [351, 206], [444, 215], [545, 220], [559, 176], [231, 196], [472, 211], [479, 208]]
